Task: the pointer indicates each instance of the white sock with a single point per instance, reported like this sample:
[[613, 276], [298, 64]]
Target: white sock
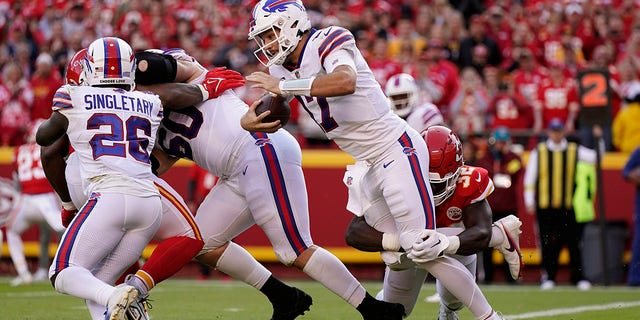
[[236, 262], [497, 237], [79, 282], [325, 268], [16, 250], [96, 310], [460, 283]]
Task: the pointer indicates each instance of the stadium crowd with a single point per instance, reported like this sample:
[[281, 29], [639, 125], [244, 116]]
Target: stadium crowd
[[485, 64]]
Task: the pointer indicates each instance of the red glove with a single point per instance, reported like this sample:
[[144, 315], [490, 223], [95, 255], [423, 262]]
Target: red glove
[[67, 213], [220, 80]]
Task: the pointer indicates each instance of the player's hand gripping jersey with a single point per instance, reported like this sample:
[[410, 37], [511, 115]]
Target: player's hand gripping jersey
[[361, 123], [113, 134], [473, 185]]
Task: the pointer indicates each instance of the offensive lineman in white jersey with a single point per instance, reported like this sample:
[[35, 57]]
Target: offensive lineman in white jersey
[[326, 73], [404, 98], [112, 129], [261, 182]]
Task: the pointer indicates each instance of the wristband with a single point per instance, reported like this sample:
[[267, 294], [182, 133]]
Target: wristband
[[205, 93], [297, 87], [454, 244], [390, 242], [69, 206]]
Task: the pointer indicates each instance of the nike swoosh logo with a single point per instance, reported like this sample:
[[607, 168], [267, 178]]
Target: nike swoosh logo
[[384, 165], [437, 243], [327, 33], [511, 247], [244, 172]]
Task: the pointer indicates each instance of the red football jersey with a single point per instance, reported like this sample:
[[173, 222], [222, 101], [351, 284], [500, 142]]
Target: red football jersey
[[555, 100], [26, 163], [474, 185]]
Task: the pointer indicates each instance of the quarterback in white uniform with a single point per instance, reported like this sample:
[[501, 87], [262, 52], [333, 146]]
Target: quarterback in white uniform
[[261, 182], [326, 72]]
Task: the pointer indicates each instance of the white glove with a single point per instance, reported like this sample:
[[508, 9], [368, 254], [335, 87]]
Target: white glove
[[432, 246], [396, 260]]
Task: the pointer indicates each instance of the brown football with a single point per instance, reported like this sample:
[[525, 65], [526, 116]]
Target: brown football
[[278, 105]]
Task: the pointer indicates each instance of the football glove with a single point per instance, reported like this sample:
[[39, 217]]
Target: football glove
[[219, 80], [431, 247]]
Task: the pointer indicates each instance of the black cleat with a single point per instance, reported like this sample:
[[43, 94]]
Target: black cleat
[[372, 309], [297, 304]]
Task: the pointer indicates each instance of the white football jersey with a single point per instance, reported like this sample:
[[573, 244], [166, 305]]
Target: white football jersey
[[113, 131], [360, 123], [212, 146], [424, 116]]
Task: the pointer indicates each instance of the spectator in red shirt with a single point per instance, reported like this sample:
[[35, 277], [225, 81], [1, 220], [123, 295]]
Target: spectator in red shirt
[[528, 77], [16, 98], [557, 98], [44, 83], [508, 111], [437, 76]]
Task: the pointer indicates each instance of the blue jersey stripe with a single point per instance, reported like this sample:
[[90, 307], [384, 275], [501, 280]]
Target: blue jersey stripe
[[279, 191], [425, 199]]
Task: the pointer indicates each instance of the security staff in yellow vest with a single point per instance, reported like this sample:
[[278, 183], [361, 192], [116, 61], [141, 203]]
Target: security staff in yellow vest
[[549, 189]]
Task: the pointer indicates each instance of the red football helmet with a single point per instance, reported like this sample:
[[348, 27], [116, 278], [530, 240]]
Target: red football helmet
[[445, 161], [75, 72]]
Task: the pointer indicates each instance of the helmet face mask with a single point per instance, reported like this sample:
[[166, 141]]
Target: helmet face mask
[[277, 22], [110, 61], [403, 92], [445, 161]]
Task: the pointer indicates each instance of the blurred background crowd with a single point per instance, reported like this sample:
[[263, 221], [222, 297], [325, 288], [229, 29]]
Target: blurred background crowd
[[484, 64]]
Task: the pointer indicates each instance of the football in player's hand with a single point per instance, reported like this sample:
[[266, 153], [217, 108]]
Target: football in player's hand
[[278, 105]]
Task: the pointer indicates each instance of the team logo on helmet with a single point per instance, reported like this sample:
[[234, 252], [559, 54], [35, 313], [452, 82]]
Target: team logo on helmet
[[454, 214]]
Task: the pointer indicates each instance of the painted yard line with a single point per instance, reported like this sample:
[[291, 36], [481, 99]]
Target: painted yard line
[[561, 311]]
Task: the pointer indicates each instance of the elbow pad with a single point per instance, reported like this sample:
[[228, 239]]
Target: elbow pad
[[153, 68]]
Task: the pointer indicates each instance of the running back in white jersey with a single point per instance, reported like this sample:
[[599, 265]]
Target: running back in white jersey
[[113, 131], [360, 123], [182, 133], [424, 116]]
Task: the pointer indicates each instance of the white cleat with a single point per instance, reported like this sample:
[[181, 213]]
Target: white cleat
[[547, 285], [41, 275], [434, 298], [510, 247], [583, 285], [119, 302], [22, 280], [447, 314]]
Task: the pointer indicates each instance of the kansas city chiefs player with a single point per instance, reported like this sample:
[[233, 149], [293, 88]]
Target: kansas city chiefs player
[[462, 213]]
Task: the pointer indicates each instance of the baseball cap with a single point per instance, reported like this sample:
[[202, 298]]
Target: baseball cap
[[556, 124], [501, 134]]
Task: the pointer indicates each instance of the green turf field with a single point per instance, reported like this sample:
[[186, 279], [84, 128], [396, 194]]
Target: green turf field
[[192, 299]]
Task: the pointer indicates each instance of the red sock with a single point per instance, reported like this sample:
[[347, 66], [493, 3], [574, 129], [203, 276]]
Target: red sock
[[169, 257]]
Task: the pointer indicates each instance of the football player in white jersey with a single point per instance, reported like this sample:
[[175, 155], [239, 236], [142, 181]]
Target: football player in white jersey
[[113, 130], [325, 71], [261, 182], [404, 98], [462, 211], [179, 236]]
